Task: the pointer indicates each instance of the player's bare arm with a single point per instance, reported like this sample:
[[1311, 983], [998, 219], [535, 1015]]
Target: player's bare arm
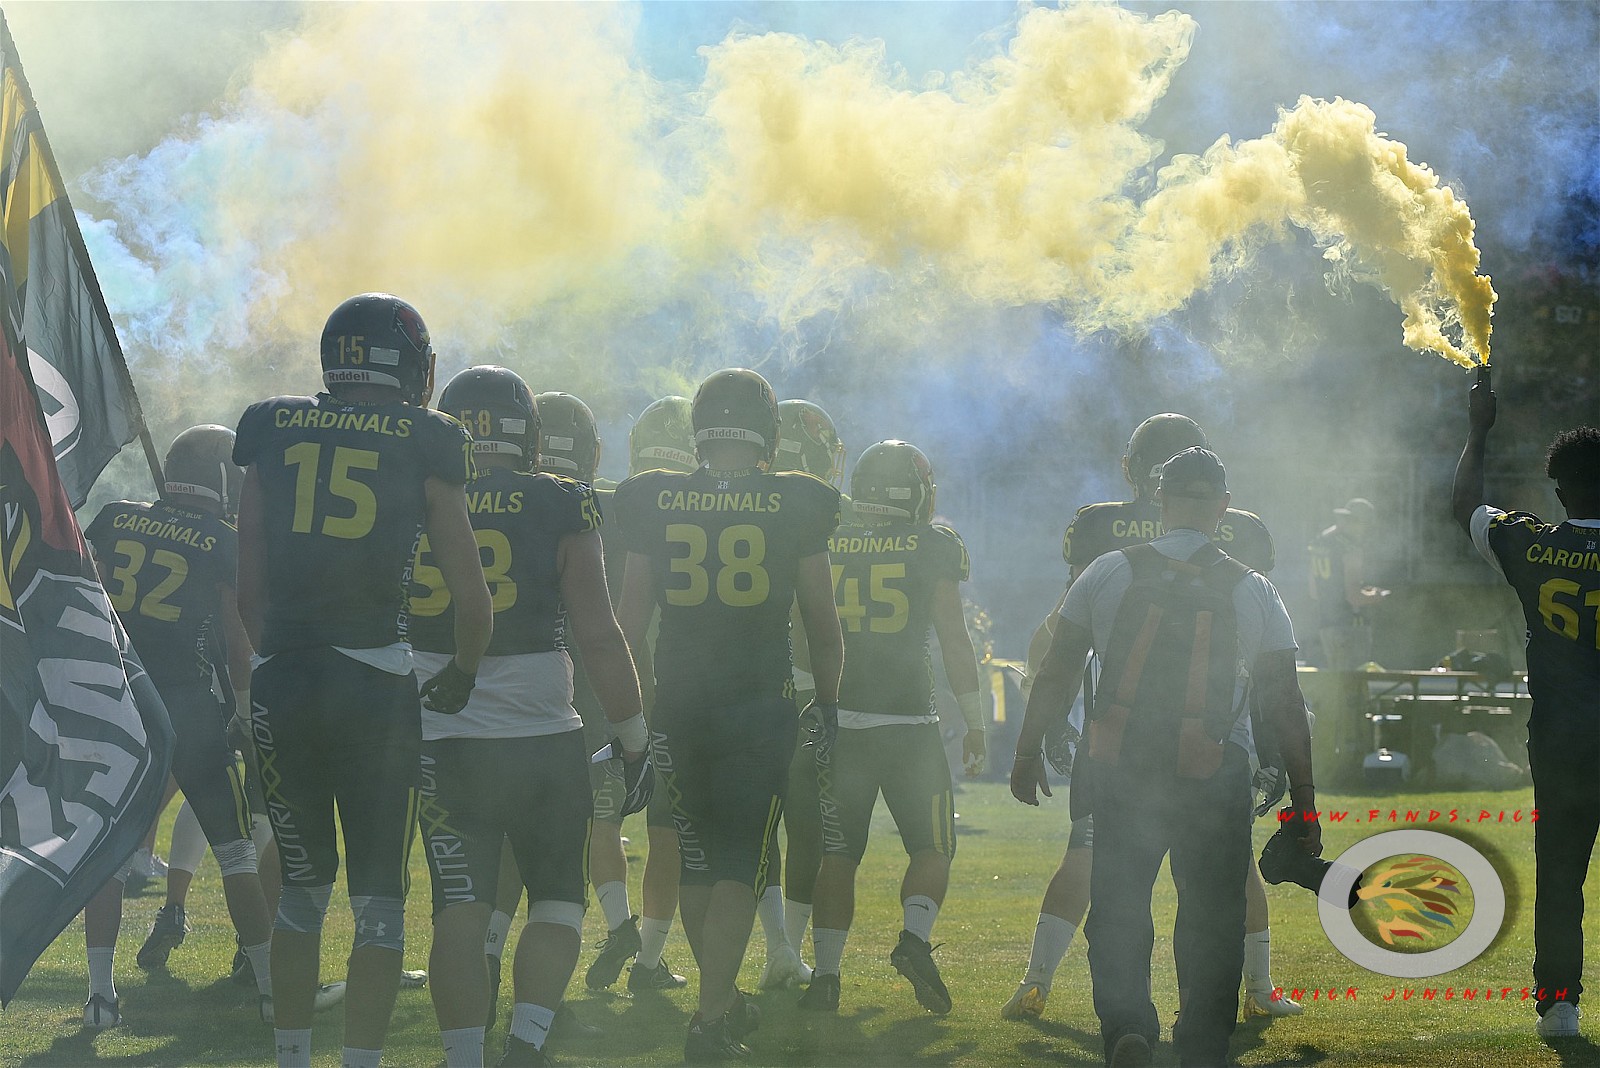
[[1466, 494], [960, 666], [635, 608], [1286, 707], [594, 627], [813, 590], [1055, 687], [455, 551]]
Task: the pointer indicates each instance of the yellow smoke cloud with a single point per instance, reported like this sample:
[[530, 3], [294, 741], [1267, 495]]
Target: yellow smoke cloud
[[506, 165]]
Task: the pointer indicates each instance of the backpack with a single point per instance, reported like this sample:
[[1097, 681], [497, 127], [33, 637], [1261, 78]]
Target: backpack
[[1166, 698]]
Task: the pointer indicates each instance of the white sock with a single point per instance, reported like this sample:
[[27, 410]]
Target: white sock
[[350, 1057], [1258, 963], [1051, 937], [614, 903], [652, 940], [796, 918], [828, 944], [100, 981], [920, 912], [294, 1047], [770, 909], [531, 1023], [261, 963], [494, 939], [188, 842], [463, 1047]]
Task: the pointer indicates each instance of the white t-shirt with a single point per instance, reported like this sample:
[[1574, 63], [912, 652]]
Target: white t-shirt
[[524, 695], [1262, 623]]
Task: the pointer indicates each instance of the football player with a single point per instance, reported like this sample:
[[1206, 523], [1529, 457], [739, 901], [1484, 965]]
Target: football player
[[807, 441], [512, 765], [338, 488], [1095, 530], [895, 576], [723, 552], [169, 570], [662, 439]]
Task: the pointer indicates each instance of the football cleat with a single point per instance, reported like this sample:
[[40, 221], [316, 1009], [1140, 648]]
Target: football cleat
[[913, 958], [1270, 1006], [100, 1013], [378, 339], [567, 1026], [1027, 1003], [520, 1054], [660, 977], [1131, 1051], [413, 979], [784, 968], [712, 1042], [327, 996], [1559, 1021], [822, 995], [744, 1018], [166, 934], [616, 949]]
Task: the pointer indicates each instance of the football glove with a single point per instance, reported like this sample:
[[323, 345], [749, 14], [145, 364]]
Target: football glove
[[448, 691], [821, 723], [1272, 783], [638, 776]]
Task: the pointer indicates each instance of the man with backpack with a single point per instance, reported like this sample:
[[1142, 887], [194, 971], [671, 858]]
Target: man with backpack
[[1183, 632]]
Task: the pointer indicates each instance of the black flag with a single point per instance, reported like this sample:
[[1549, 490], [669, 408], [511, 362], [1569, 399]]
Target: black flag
[[84, 739]]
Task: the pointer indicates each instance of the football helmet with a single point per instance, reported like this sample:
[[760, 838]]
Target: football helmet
[[200, 463], [378, 338], [737, 404], [498, 409], [1154, 442], [569, 440], [807, 441], [892, 481], [662, 437]]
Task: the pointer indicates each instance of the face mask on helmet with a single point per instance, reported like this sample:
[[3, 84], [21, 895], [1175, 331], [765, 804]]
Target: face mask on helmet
[[807, 441], [569, 440], [497, 409], [1154, 442], [663, 437], [378, 339], [200, 464], [892, 482], [737, 405]]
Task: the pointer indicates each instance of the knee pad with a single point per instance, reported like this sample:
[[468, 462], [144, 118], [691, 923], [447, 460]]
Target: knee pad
[[380, 922], [237, 857], [564, 913], [1082, 836], [301, 908]]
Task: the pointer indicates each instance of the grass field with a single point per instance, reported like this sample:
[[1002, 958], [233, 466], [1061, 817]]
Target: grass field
[[194, 1015]]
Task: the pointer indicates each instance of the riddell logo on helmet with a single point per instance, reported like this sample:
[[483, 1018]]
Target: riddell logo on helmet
[[736, 433], [346, 376]]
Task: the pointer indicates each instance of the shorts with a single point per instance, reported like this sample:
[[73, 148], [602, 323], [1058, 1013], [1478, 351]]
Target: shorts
[[479, 792], [909, 766], [203, 764], [725, 772], [332, 730]]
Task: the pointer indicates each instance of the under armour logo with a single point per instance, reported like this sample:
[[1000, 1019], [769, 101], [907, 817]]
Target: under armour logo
[[374, 929]]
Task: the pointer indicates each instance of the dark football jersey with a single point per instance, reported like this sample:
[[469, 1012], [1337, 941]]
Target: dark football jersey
[[519, 520], [614, 555], [1098, 529], [162, 564], [1328, 577], [343, 505], [884, 578], [725, 548], [1555, 570]]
